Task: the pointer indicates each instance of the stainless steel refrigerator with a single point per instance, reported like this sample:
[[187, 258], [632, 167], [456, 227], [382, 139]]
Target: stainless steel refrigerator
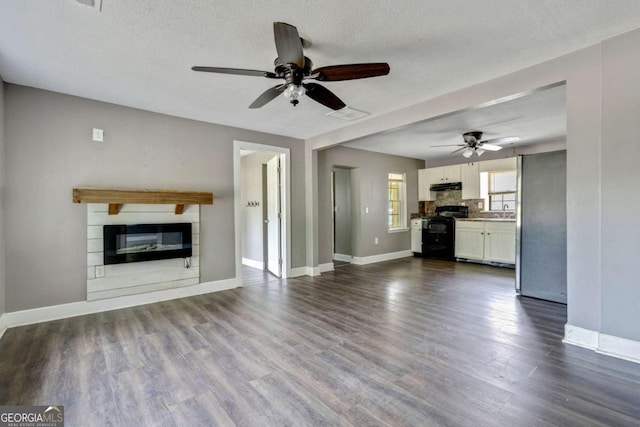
[[541, 247]]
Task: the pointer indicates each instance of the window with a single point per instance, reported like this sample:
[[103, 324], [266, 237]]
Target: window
[[498, 188], [397, 201]]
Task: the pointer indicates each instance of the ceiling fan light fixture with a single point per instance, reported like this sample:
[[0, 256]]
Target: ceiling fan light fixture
[[479, 151], [468, 152], [294, 92]]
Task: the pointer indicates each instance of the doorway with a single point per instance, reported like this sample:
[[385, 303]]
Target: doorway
[[342, 212], [262, 228]]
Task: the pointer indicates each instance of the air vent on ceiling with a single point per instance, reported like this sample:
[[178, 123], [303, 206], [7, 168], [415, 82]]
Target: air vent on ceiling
[[348, 113], [97, 4]]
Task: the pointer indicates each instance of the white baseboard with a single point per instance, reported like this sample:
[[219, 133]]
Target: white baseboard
[[325, 267], [381, 257], [298, 271], [609, 345], [3, 324], [313, 271], [342, 257], [621, 348], [62, 311], [253, 263], [581, 337]]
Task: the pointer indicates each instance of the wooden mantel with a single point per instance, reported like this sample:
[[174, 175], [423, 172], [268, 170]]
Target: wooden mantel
[[116, 197]]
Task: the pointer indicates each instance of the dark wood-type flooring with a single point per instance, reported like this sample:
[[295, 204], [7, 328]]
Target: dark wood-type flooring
[[406, 342]]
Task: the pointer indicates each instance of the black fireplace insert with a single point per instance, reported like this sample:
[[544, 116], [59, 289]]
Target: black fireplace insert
[[146, 242]]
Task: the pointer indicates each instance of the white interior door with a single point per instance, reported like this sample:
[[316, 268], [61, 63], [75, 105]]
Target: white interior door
[[273, 216]]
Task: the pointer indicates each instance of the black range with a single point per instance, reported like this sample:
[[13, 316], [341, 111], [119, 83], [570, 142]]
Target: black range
[[438, 232]]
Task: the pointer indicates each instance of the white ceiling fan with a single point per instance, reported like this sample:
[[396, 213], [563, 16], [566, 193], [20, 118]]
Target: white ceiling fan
[[473, 144]]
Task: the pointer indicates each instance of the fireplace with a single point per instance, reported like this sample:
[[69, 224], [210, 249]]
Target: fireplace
[[146, 242]]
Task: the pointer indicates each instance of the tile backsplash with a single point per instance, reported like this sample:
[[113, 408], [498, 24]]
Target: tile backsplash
[[454, 197]]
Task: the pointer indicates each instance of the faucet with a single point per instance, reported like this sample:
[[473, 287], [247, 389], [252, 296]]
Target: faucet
[[504, 210]]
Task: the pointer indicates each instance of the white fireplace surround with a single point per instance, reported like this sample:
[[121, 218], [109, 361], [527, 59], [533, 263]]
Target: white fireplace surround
[[139, 277]]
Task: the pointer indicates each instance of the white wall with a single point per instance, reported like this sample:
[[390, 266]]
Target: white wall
[[252, 185], [49, 151]]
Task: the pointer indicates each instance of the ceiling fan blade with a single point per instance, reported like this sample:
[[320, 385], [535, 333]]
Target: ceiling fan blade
[[459, 150], [490, 147], [450, 145], [288, 44], [503, 140], [236, 71], [334, 73], [323, 95], [267, 96]]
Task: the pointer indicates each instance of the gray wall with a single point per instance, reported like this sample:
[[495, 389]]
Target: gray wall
[[620, 186], [369, 179], [252, 239], [2, 216], [49, 151], [342, 199]]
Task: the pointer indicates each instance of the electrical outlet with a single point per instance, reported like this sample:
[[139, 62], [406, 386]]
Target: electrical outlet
[[375, 241], [99, 270]]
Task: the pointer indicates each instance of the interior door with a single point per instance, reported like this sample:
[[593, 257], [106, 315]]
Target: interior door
[[273, 216]]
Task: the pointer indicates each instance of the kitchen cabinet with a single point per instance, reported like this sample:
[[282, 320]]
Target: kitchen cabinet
[[430, 176], [488, 240], [424, 195], [416, 235], [470, 178], [469, 239], [443, 175]]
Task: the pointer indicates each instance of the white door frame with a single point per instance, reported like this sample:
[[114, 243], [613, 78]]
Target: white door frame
[[274, 216], [285, 202]]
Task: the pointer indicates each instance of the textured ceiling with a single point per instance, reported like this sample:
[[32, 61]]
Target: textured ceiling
[[138, 53], [535, 118]]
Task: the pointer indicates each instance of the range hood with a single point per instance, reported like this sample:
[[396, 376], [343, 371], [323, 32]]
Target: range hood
[[446, 186]]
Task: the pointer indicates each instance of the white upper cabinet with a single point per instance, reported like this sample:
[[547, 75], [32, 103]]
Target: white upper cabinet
[[424, 195], [470, 174], [443, 175]]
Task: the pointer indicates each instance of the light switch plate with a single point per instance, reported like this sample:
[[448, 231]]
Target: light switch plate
[[98, 135]]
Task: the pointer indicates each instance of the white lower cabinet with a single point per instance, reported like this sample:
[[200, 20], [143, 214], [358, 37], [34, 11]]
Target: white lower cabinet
[[500, 241], [486, 241], [469, 239], [416, 235]]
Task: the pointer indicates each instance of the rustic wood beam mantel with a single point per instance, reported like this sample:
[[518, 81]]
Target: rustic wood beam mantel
[[116, 197]]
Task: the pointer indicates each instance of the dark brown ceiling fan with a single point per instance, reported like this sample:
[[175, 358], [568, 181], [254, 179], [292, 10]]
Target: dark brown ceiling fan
[[294, 68], [473, 144]]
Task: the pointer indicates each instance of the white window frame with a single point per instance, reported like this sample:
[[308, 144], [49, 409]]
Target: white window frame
[[487, 192], [402, 201]]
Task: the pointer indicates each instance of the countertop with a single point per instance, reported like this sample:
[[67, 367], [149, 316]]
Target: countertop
[[487, 219]]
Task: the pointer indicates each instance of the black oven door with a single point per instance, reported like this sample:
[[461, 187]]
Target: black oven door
[[437, 238]]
